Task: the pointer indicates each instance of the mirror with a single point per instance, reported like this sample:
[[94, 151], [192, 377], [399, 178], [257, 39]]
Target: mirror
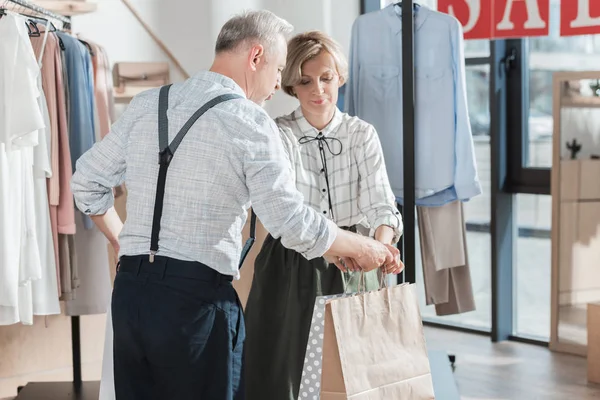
[[576, 207]]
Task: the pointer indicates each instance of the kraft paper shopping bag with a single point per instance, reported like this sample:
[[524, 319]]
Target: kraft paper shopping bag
[[373, 348]]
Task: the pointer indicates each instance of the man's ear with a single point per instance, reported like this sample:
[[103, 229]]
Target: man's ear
[[256, 57]]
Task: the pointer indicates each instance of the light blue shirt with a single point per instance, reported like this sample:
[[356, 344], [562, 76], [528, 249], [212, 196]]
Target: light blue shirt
[[445, 166], [81, 100]]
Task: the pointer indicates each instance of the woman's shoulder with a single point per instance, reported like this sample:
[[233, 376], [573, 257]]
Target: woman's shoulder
[[356, 126], [285, 121]]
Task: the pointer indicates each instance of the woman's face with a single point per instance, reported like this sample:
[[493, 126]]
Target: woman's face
[[318, 88]]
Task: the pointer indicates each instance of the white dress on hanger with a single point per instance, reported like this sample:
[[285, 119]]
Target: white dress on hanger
[[45, 290], [21, 119]]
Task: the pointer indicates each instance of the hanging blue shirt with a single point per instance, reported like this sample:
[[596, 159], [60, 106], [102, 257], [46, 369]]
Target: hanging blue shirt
[[445, 166], [81, 105]]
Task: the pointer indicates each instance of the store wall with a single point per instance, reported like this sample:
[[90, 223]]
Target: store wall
[[189, 30]]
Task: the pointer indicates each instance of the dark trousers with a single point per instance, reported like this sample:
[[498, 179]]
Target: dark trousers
[[178, 332]]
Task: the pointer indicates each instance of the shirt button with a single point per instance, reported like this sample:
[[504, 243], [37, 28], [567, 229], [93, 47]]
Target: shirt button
[[322, 170], [324, 190], [324, 212]]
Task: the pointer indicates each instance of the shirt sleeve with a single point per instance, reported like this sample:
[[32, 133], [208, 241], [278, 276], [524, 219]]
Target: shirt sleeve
[[277, 203], [466, 179], [103, 167], [376, 198]]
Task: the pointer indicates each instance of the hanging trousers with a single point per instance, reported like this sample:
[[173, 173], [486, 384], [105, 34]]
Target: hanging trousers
[[178, 332]]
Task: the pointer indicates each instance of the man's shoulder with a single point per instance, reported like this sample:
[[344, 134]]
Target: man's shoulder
[[249, 112]]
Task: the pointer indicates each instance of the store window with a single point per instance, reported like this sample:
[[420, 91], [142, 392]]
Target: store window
[[532, 269], [477, 211], [547, 55]]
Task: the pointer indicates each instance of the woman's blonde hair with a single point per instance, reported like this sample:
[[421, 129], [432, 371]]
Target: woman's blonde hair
[[304, 47]]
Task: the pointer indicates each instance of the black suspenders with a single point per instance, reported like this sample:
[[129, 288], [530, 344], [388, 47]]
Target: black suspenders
[[165, 156]]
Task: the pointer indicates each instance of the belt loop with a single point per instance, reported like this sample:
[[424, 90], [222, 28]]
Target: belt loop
[[138, 266]]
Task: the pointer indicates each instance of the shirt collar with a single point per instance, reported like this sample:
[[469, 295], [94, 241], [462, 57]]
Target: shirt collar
[[393, 15], [220, 79], [307, 129]]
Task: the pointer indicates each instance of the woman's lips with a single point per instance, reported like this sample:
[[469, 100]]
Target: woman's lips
[[319, 101]]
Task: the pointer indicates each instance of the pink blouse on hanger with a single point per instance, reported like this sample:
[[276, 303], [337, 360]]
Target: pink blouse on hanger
[[60, 197]]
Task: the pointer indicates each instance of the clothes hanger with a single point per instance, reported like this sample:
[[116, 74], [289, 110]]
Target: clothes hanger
[[42, 21], [416, 4]]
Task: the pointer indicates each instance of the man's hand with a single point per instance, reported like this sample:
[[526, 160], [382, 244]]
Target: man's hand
[[116, 247], [344, 264], [376, 254]]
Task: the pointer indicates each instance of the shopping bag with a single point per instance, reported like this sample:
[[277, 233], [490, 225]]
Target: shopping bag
[[370, 346]]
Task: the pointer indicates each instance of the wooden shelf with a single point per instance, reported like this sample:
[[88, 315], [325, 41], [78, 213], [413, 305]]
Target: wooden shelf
[[580, 102], [68, 7]]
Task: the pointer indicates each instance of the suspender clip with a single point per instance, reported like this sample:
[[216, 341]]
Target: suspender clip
[[152, 253], [165, 157]]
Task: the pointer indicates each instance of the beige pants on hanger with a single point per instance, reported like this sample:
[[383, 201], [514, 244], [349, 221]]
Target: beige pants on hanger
[[444, 255]]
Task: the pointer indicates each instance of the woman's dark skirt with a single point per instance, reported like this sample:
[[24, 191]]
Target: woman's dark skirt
[[279, 313]]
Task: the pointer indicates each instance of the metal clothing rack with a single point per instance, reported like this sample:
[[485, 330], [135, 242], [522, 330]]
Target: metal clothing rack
[[39, 10], [441, 371], [75, 389]]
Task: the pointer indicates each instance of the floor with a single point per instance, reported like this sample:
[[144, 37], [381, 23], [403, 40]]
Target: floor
[[510, 370]]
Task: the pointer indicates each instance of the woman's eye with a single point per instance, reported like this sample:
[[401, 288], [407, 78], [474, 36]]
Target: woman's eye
[[304, 82]]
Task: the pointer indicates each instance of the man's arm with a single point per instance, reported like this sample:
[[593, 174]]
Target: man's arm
[[98, 171], [110, 225]]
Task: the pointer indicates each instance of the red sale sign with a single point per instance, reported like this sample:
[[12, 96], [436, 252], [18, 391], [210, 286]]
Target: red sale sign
[[579, 17], [474, 15], [495, 19], [521, 18]]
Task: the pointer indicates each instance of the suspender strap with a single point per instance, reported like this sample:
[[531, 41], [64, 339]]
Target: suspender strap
[[164, 160], [166, 152], [250, 240]]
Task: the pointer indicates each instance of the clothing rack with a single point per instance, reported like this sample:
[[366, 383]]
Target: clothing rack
[[440, 362], [408, 118], [40, 10], [58, 390]]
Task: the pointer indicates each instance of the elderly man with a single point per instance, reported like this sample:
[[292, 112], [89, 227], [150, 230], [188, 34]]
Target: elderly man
[[178, 326]]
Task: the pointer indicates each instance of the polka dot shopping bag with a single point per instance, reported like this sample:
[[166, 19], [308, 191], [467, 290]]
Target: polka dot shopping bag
[[367, 346]]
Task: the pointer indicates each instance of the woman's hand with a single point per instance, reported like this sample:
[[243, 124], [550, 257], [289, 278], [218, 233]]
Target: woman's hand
[[395, 267]]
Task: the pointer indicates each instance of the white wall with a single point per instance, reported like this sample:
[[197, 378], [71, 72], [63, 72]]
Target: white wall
[[189, 29]]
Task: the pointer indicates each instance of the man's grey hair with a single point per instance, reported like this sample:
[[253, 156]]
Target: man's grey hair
[[262, 26]]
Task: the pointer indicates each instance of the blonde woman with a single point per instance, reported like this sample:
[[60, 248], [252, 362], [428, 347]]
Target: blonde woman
[[339, 168]]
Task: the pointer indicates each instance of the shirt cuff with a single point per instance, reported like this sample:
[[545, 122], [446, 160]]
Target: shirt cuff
[[468, 191], [324, 242], [97, 208]]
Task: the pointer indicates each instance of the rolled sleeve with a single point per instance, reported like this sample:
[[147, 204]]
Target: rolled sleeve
[[394, 222], [277, 202], [102, 168]]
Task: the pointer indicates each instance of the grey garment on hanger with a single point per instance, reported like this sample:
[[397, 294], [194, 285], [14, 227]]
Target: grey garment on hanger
[[444, 255], [94, 291]]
